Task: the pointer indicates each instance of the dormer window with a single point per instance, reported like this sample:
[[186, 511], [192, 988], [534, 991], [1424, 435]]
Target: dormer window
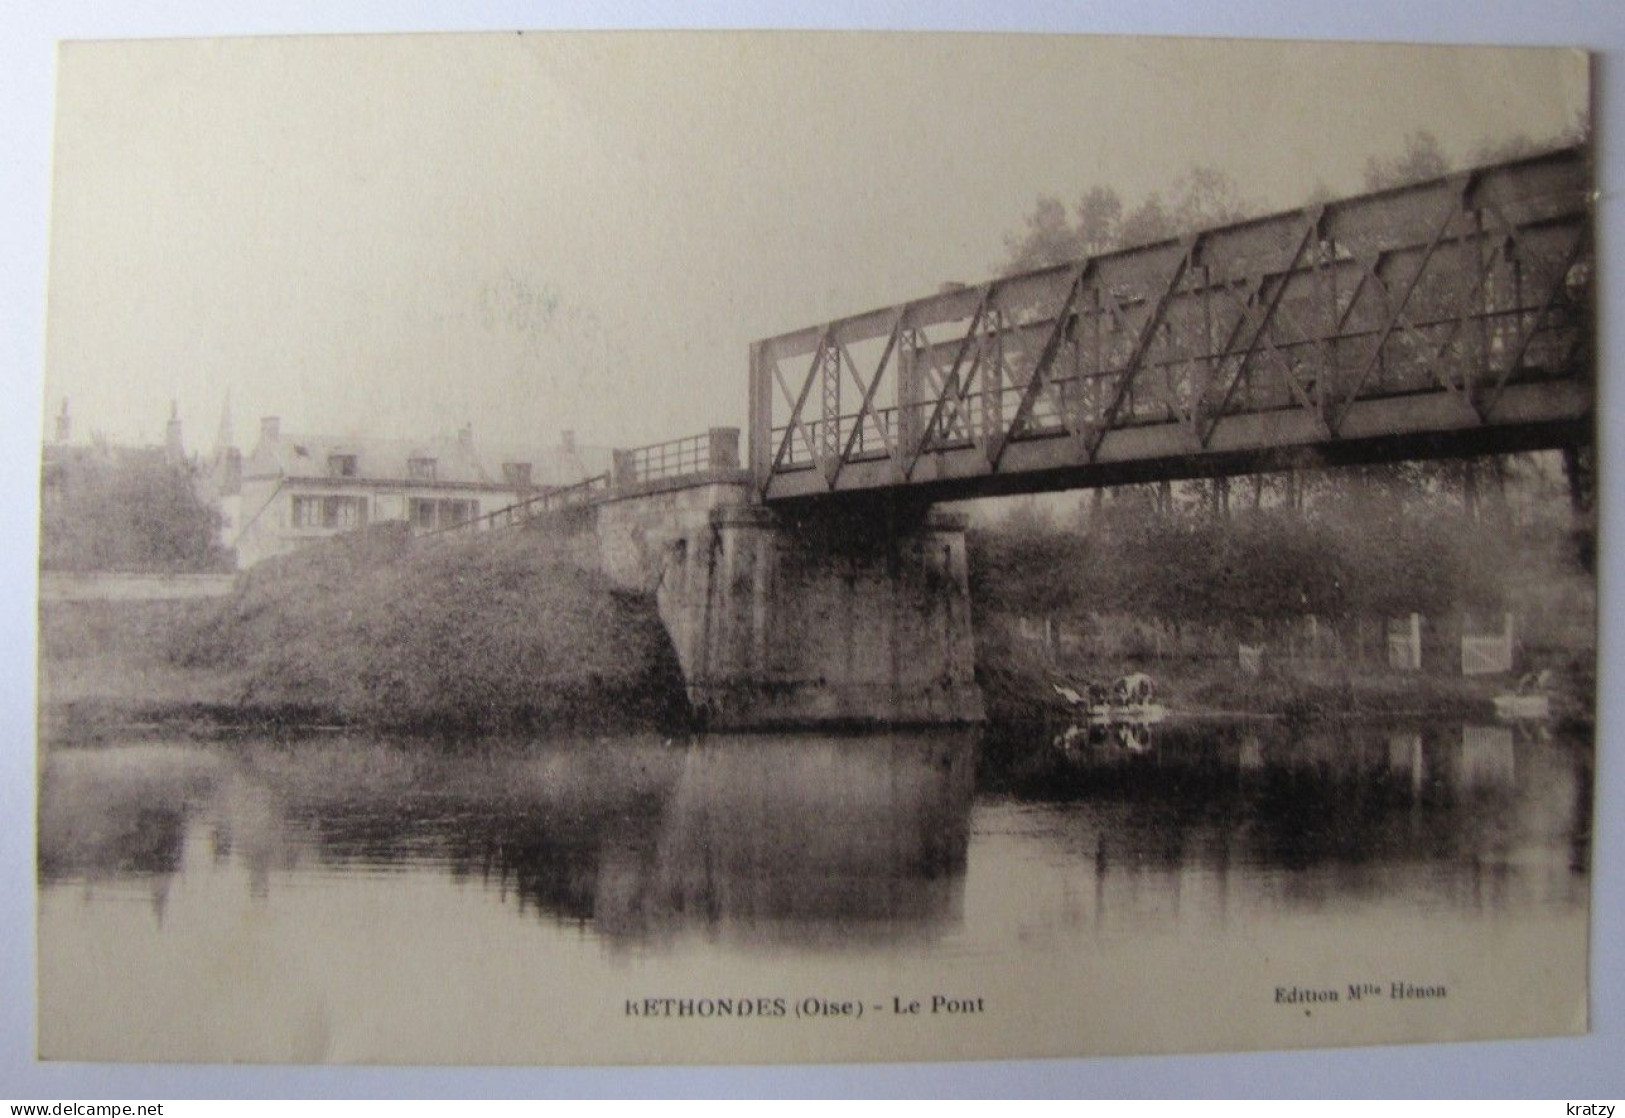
[[420, 469], [341, 465], [516, 474]]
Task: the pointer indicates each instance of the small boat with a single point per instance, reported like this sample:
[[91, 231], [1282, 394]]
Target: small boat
[[1132, 698], [1141, 713], [1529, 702], [1523, 708], [1072, 696], [1094, 739]]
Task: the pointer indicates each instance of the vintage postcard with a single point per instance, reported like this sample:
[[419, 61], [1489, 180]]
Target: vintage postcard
[[586, 548]]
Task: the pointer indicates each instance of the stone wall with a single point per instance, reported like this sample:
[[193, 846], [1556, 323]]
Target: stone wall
[[812, 619], [636, 529], [797, 623]]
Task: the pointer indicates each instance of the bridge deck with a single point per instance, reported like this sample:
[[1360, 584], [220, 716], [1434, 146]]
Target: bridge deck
[[1451, 317]]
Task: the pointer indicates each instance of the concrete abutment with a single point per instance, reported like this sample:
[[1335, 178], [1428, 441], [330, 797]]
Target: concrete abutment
[[812, 620]]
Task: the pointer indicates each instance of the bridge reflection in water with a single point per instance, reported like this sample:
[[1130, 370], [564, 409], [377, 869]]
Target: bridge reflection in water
[[772, 838], [385, 901], [831, 841], [838, 840]]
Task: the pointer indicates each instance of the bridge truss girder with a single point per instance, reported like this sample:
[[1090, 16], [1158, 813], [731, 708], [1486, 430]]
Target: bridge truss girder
[[1444, 318]]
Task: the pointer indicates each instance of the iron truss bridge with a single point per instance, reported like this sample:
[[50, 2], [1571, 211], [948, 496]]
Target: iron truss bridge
[[1446, 318]]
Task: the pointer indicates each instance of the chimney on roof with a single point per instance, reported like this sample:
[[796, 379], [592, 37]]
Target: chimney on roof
[[465, 436], [173, 450], [270, 429], [64, 425], [568, 440]]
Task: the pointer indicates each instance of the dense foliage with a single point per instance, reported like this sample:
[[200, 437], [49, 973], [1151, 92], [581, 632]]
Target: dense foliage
[[1370, 542], [494, 630], [1204, 197], [1256, 566], [124, 510], [1099, 223]]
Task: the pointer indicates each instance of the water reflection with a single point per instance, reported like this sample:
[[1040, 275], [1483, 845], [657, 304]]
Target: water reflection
[[1434, 815], [119, 812], [348, 899], [767, 839], [786, 838], [843, 842]]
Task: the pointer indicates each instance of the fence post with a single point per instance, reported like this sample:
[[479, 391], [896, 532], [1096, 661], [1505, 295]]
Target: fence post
[[761, 415], [724, 449], [626, 469], [1405, 649]]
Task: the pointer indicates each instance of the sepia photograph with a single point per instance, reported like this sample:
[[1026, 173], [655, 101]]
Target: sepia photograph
[[694, 548]]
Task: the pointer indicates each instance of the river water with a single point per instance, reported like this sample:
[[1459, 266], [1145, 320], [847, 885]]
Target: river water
[[783, 897]]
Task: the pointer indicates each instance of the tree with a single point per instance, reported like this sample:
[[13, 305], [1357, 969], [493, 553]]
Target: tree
[[1152, 221], [1521, 144], [1201, 198], [1048, 239], [1424, 158], [1100, 220], [1204, 198], [113, 509]]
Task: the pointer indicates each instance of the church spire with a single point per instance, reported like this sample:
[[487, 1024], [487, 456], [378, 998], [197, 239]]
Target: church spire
[[225, 438]]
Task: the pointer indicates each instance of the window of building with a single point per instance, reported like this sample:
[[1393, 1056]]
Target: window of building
[[428, 514], [453, 513], [421, 512], [516, 473], [341, 465], [344, 512], [420, 469], [330, 512]]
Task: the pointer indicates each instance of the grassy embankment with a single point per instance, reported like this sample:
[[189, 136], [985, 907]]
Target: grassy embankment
[[1175, 593], [1015, 680], [371, 630], [1016, 676], [500, 632]]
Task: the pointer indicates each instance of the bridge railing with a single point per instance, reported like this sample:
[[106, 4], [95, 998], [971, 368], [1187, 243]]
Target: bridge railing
[[1464, 287], [716, 449], [1161, 395], [695, 456], [550, 500]]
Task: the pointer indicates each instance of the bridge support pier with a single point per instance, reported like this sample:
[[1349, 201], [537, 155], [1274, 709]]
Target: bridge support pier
[[824, 621]]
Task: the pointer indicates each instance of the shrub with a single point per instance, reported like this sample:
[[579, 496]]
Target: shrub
[[480, 631]]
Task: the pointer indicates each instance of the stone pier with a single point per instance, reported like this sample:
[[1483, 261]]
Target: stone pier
[[779, 620]]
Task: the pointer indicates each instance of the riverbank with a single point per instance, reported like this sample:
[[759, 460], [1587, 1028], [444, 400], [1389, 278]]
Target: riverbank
[[375, 630], [1016, 680], [502, 633]]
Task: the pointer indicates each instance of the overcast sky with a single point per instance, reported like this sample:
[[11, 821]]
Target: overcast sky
[[395, 235]]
